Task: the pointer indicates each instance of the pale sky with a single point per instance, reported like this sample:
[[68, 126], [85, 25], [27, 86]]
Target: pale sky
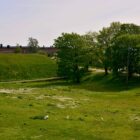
[[45, 20]]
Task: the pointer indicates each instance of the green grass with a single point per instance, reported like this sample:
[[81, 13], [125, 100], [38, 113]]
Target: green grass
[[26, 66], [101, 108]]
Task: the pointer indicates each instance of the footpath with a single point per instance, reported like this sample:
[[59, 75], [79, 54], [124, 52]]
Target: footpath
[[35, 80]]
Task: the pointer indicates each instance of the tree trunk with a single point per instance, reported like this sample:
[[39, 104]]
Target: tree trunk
[[115, 71], [130, 73], [86, 68], [106, 71], [76, 74], [77, 79]]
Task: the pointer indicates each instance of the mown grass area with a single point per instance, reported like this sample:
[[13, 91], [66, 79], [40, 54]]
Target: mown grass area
[[100, 108], [26, 66]]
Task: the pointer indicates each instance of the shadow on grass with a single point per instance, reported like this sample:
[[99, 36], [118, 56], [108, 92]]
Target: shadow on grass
[[49, 84], [97, 82], [101, 83], [46, 84]]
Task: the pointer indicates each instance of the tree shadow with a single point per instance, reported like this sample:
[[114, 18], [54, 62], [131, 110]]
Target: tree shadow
[[101, 83], [91, 82], [49, 84]]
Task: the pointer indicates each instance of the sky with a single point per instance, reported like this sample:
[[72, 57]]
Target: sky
[[45, 20]]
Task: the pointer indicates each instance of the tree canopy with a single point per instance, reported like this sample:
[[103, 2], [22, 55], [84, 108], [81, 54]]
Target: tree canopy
[[115, 48], [126, 53], [71, 55]]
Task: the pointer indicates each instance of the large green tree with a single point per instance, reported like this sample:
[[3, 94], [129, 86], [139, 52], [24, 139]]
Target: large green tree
[[126, 54], [91, 48], [71, 55], [121, 46], [105, 37]]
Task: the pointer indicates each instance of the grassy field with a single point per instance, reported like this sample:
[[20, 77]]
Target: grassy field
[[101, 108], [26, 66]]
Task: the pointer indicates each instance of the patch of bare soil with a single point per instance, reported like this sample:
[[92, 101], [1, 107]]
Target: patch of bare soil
[[14, 91]]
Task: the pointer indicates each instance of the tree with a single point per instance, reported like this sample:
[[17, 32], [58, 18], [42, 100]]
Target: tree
[[105, 37], [71, 55], [33, 45], [18, 49], [129, 29], [126, 54], [91, 49], [125, 31]]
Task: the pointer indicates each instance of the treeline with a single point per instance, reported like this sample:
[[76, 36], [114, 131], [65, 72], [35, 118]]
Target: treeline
[[115, 48]]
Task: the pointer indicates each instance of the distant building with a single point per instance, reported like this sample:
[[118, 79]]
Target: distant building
[[24, 49]]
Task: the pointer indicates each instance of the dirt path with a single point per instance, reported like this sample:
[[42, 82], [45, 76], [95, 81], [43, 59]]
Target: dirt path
[[35, 80]]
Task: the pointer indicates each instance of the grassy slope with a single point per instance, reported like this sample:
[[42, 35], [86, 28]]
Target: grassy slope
[[98, 109], [20, 66]]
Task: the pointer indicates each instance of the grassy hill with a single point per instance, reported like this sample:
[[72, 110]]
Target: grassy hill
[[26, 66], [100, 108]]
